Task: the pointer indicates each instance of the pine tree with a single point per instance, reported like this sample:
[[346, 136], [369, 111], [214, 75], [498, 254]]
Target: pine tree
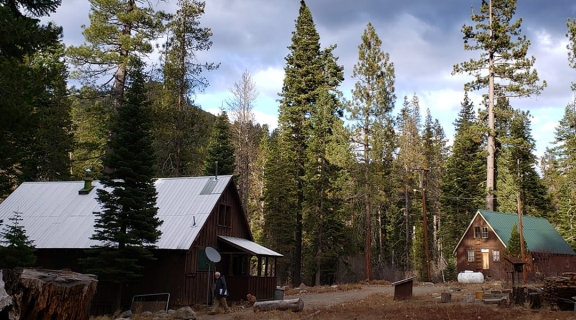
[[127, 227], [23, 37], [16, 249], [408, 162], [504, 55], [220, 148], [324, 232], [563, 158], [514, 248], [372, 102], [517, 173], [463, 179], [91, 117], [179, 124], [119, 30], [279, 203], [50, 133], [307, 69]]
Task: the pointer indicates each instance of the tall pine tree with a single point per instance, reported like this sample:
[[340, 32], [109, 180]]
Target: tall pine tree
[[127, 227], [372, 130], [16, 249], [307, 69], [463, 179], [220, 148], [510, 71]]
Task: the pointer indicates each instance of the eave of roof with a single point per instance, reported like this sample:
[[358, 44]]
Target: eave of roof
[[250, 247]]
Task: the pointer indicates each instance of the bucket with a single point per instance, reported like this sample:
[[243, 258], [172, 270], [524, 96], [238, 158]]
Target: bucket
[[479, 295], [279, 293]]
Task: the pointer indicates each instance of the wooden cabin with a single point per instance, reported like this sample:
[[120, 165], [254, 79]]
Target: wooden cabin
[[482, 247], [197, 212]]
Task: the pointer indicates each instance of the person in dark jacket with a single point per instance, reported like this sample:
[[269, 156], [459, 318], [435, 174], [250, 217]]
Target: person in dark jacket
[[220, 294]]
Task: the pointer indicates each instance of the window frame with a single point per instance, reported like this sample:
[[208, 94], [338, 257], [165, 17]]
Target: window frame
[[484, 231], [496, 255], [477, 232], [224, 215], [471, 255]]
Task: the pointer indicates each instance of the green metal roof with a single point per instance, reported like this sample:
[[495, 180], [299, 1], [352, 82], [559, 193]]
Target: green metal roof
[[539, 234]]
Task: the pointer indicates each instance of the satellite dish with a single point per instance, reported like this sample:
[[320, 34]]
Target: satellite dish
[[212, 254]]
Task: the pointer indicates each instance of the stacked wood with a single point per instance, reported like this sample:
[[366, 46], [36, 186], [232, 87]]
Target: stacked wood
[[560, 290], [38, 294], [282, 305]]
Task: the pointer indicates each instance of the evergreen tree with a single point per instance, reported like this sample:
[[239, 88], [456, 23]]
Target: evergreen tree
[[462, 181], [50, 134], [372, 129], [514, 248], [179, 124], [22, 81], [504, 52], [408, 162], [278, 209], [127, 227], [16, 249], [307, 69], [119, 30], [220, 148], [517, 174], [563, 172], [91, 117], [324, 232]]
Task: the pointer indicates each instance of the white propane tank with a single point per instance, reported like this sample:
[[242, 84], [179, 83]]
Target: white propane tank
[[470, 277]]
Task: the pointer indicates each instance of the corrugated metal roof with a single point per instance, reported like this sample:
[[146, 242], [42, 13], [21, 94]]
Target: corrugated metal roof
[[56, 216], [539, 234], [250, 247]]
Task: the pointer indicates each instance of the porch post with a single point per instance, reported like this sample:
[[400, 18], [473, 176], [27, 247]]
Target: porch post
[[266, 268], [259, 266]]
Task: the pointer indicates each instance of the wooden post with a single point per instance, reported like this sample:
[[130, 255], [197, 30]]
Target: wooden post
[[446, 297]]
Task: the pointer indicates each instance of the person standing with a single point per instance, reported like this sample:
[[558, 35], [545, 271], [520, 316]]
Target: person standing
[[220, 294]]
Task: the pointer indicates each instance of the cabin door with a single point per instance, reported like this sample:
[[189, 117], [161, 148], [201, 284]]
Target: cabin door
[[485, 259]]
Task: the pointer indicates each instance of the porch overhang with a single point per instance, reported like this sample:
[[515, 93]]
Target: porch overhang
[[249, 247]]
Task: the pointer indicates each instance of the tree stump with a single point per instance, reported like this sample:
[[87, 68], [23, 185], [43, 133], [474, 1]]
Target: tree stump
[[446, 297], [39, 294], [535, 300], [282, 305]]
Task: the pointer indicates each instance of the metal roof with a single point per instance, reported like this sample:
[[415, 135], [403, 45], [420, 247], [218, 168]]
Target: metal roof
[[539, 234], [54, 215], [250, 247]]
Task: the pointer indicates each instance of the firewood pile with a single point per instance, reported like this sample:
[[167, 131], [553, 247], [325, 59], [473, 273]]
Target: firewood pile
[[560, 290]]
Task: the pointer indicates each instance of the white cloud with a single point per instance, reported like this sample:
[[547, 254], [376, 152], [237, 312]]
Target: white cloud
[[269, 81]]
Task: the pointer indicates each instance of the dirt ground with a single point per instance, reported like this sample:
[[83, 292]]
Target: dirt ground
[[376, 302]]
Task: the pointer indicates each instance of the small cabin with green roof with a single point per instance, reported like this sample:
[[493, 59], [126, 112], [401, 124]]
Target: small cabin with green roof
[[482, 247]]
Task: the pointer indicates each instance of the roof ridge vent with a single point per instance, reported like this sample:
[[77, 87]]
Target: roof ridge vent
[[87, 183]]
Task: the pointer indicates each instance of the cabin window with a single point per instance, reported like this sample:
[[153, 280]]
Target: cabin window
[[476, 232], [484, 232], [224, 215], [470, 255], [496, 255]]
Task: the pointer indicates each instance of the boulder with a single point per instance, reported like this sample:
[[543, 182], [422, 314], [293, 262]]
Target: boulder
[[184, 313]]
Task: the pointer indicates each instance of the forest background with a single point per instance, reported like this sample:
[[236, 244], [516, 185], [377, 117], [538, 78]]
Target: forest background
[[371, 110]]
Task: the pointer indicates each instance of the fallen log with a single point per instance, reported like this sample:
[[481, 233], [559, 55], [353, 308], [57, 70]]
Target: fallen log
[[282, 305], [39, 294]]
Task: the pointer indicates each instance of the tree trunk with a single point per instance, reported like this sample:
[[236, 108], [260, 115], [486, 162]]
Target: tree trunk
[[38, 294], [282, 305], [490, 181]]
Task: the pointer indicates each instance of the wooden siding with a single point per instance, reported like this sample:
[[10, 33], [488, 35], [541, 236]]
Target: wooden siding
[[491, 243], [176, 271], [539, 265]]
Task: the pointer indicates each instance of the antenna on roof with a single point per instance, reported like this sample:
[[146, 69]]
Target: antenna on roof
[[216, 170], [194, 217]]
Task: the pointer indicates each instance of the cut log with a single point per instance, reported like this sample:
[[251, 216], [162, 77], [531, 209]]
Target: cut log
[[446, 297], [39, 294], [282, 305]]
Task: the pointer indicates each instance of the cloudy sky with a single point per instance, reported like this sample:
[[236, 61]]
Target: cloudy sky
[[422, 37]]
